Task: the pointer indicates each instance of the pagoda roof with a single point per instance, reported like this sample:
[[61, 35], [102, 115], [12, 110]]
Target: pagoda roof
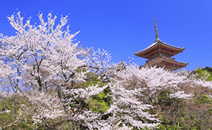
[[167, 60], [157, 44]]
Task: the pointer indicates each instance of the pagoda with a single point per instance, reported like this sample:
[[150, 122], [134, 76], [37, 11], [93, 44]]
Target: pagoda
[[160, 54]]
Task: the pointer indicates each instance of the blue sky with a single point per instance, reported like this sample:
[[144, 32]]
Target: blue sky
[[123, 27]]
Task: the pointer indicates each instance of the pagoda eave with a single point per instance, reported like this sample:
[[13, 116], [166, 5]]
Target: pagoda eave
[[159, 44], [167, 63]]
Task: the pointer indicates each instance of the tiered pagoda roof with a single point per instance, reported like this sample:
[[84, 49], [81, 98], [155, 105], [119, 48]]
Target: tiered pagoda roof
[[159, 54]]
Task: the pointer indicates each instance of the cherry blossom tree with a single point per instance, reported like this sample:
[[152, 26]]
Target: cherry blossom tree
[[38, 49], [153, 80]]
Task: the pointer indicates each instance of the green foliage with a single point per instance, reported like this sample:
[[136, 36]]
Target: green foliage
[[79, 70], [92, 80], [13, 104], [5, 118], [160, 127], [100, 103], [16, 119], [68, 122], [23, 126], [203, 99], [169, 127], [201, 73], [98, 106]]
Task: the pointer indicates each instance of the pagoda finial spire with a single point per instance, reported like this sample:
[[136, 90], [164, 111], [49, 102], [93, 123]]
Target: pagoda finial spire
[[156, 31]]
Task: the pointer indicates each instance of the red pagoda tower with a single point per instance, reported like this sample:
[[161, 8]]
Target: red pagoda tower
[[159, 54]]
